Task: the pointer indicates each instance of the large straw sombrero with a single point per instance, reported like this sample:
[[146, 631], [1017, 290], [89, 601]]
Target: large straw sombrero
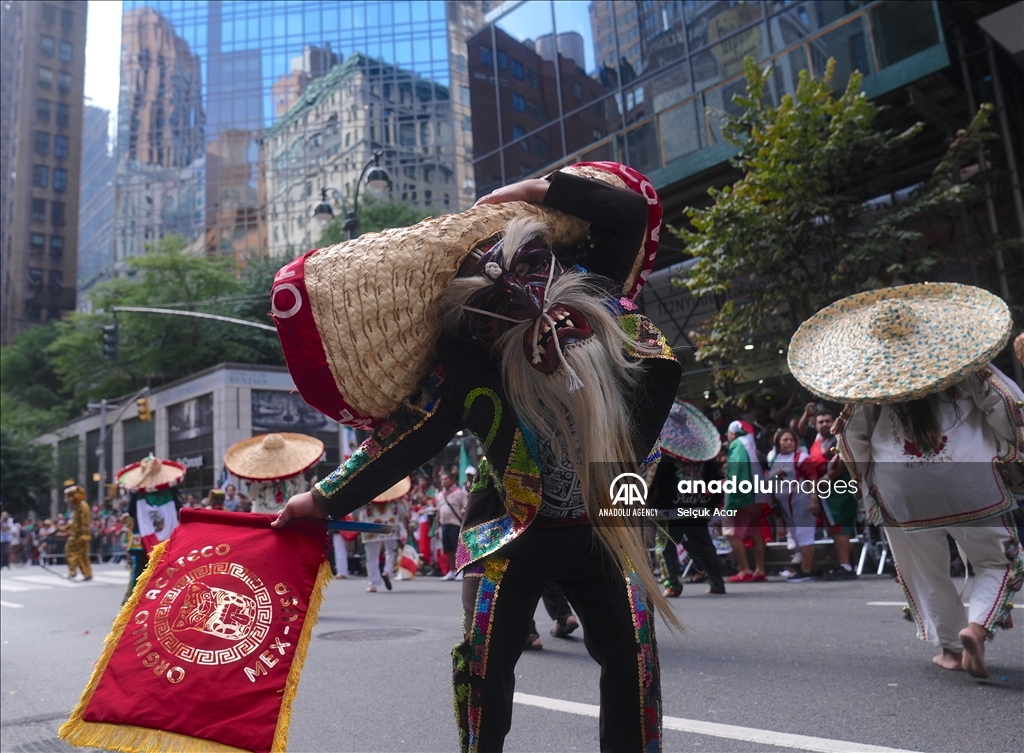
[[689, 435], [358, 321], [151, 475], [273, 457], [898, 344], [398, 490]]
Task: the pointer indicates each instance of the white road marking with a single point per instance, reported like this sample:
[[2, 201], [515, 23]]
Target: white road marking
[[712, 729], [15, 588], [903, 603], [10, 604], [44, 580]]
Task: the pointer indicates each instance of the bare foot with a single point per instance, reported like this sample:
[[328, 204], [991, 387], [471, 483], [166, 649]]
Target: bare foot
[[948, 660], [973, 639]]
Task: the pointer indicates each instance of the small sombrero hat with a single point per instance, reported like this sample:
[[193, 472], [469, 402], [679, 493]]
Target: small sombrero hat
[[398, 490], [358, 321], [273, 457], [151, 475], [689, 435], [898, 344]]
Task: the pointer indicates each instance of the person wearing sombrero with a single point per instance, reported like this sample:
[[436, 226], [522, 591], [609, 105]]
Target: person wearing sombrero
[[933, 433], [388, 508], [688, 442], [79, 533], [275, 466], [514, 320], [153, 504]]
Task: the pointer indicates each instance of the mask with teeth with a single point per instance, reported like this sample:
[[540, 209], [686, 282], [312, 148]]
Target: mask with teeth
[[507, 283]]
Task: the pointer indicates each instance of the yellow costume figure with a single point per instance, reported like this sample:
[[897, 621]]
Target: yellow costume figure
[[79, 533]]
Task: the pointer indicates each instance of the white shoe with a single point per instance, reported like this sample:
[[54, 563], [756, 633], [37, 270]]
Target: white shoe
[[449, 576], [458, 577]]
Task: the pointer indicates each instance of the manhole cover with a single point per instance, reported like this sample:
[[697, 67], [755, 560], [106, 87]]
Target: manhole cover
[[383, 634]]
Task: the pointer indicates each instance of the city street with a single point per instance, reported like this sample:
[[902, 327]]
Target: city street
[[770, 666]]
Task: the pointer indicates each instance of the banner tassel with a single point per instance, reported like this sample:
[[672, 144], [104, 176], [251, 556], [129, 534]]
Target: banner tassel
[[316, 598], [131, 739]]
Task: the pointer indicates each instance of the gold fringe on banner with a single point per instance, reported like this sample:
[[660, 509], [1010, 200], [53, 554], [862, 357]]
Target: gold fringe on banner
[[131, 739], [291, 687]]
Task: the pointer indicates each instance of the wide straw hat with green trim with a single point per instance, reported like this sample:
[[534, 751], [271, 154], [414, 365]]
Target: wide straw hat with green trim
[[898, 344]]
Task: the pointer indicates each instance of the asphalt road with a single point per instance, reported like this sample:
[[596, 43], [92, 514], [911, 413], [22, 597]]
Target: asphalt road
[[761, 664]]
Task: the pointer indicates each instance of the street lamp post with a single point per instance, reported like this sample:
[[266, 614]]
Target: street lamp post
[[377, 180]]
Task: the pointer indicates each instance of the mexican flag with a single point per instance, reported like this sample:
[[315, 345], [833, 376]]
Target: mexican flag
[[158, 517], [206, 654]]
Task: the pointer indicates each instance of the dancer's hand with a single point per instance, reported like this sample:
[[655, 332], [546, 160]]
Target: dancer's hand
[[533, 190], [300, 506]]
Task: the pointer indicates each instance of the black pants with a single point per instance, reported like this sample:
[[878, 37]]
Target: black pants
[[499, 596], [555, 604], [694, 535]]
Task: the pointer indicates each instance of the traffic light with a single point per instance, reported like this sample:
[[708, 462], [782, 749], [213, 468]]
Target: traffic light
[[111, 341], [110, 491], [144, 414]]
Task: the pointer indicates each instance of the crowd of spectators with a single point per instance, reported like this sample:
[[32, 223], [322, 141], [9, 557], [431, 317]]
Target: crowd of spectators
[[35, 541]]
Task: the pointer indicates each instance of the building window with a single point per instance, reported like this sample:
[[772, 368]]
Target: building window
[[518, 103], [38, 210], [502, 60], [49, 15], [40, 176], [62, 114], [60, 146], [67, 20], [460, 63], [540, 147], [577, 91], [57, 213], [517, 133], [56, 278], [486, 57], [56, 245], [35, 277], [60, 179], [531, 80], [63, 82], [37, 240], [467, 125], [464, 95], [42, 142], [517, 69], [407, 134], [43, 110], [536, 112], [65, 51], [45, 78], [47, 46]]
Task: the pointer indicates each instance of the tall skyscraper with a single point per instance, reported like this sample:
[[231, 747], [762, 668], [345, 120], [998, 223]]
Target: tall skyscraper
[[96, 198], [225, 130], [42, 49]]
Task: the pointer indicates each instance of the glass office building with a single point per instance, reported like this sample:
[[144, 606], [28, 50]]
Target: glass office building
[[234, 115], [644, 81]]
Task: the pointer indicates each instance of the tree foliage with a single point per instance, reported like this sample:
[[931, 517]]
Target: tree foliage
[[26, 471], [804, 227], [376, 215]]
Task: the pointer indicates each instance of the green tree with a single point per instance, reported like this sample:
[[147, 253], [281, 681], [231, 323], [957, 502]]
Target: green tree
[[376, 215], [26, 471], [799, 230], [156, 348]]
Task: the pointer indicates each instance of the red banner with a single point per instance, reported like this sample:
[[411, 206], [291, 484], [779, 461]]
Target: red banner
[[210, 646]]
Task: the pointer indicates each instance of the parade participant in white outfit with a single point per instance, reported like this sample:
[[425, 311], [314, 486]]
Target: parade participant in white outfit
[[275, 467], [389, 508], [934, 438]]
